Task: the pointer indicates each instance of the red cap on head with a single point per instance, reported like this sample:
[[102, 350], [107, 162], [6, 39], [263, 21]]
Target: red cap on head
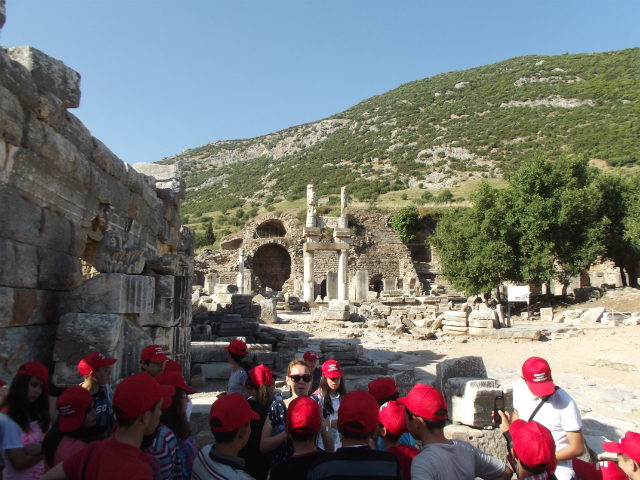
[[628, 445], [138, 393], [35, 369], [534, 445], [172, 366], [261, 375], [310, 355], [155, 353], [425, 401], [176, 380], [93, 361], [331, 369], [537, 374], [358, 406], [72, 406], [393, 418], [237, 346], [382, 388], [303, 415], [2, 383], [611, 471], [232, 411]]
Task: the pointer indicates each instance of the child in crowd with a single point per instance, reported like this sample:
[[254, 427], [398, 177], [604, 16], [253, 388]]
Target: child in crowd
[[237, 356], [329, 395], [171, 366], [137, 404], [304, 420], [96, 372], [153, 360], [385, 390], [534, 449], [230, 421], [72, 429], [598, 471], [311, 358], [173, 450], [26, 423], [628, 451], [392, 425], [258, 386], [274, 436], [357, 421]]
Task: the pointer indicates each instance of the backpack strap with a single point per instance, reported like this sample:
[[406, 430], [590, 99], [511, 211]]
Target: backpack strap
[[542, 402], [86, 464]]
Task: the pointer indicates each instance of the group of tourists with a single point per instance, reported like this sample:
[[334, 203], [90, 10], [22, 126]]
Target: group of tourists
[[317, 430]]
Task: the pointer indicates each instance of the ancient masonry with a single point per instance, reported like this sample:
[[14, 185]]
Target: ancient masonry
[[93, 256]]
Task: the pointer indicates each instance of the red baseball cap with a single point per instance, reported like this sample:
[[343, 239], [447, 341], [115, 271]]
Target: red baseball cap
[[172, 366], [155, 353], [393, 418], [537, 374], [138, 393], [628, 445], [72, 406], [176, 380], [383, 388], [2, 383], [233, 411], [611, 471], [93, 361], [331, 369], [598, 471], [358, 406], [310, 355], [261, 375], [303, 415], [425, 401], [534, 445], [237, 346], [35, 369]]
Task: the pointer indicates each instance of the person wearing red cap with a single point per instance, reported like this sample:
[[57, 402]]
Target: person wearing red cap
[[95, 369], [71, 430], [534, 449], [27, 420], [628, 451], [171, 366], [392, 424], [230, 421], [153, 360], [332, 390], [304, 420], [535, 397], [311, 358], [384, 389], [441, 458], [237, 357], [173, 450], [357, 421], [598, 471], [137, 403]]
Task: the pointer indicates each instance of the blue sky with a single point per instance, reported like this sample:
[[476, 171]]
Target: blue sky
[[160, 76]]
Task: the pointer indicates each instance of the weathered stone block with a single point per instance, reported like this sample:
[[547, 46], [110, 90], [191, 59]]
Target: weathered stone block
[[108, 161], [58, 271], [592, 315], [330, 315], [12, 117], [29, 307], [268, 311], [15, 214], [520, 333], [22, 344], [455, 329], [481, 323], [340, 356], [336, 346], [101, 331], [455, 322], [459, 367], [162, 336], [546, 314], [19, 81], [51, 110], [265, 358], [219, 371], [223, 288], [19, 264], [50, 74], [403, 374], [116, 293], [456, 314], [470, 401]]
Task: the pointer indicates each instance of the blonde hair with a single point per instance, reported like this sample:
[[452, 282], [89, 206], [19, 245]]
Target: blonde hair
[[295, 363]]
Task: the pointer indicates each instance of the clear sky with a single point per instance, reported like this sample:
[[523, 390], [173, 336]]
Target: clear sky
[[160, 76]]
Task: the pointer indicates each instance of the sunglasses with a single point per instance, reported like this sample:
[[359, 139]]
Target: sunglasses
[[304, 378]]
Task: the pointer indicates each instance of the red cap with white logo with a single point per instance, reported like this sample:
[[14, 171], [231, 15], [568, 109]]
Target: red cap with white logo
[[94, 361], [310, 355], [72, 406], [331, 369], [628, 445], [393, 418], [537, 374], [155, 353]]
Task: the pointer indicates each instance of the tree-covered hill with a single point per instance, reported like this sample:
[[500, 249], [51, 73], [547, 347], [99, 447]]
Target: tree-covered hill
[[438, 131]]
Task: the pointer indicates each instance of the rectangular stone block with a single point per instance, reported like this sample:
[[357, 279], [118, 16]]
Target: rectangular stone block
[[58, 271], [101, 331], [12, 117], [26, 343], [19, 264], [336, 346], [457, 322], [403, 374], [454, 314], [362, 285], [223, 288], [116, 293], [481, 323], [217, 371], [19, 81], [265, 358], [473, 405], [357, 370], [453, 329], [18, 213], [164, 308], [521, 333], [162, 336], [546, 314], [340, 355], [20, 307], [469, 366], [330, 315]]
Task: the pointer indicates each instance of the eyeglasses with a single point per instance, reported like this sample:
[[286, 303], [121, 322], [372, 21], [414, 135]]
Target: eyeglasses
[[304, 378]]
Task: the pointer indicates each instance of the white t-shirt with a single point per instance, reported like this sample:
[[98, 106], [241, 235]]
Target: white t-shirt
[[335, 403], [12, 432], [559, 414]]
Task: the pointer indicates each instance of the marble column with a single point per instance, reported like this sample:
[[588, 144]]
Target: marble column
[[309, 285], [343, 290], [311, 206], [240, 280]]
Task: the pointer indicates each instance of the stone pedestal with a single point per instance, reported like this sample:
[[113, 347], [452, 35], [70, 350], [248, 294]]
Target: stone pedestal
[[308, 288], [332, 285], [210, 280], [362, 285]]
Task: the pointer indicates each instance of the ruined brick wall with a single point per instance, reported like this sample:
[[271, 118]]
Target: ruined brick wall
[[93, 254]]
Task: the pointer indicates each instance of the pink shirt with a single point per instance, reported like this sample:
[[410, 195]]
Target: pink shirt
[[68, 447]]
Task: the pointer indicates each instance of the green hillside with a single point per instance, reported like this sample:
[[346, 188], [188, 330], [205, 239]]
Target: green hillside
[[434, 133]]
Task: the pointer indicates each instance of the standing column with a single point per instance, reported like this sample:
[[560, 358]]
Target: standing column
[[343, 291], [311, 205], [309, 285], [240, 280]]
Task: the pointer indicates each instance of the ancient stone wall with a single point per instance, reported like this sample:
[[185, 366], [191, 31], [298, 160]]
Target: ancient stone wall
[[92, 250]]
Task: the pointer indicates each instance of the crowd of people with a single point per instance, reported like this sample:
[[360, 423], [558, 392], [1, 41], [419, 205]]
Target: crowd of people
[[317, 430]]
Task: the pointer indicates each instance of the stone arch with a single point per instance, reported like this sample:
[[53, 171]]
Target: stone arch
[[376, 283], [271, 266], [270, 228]]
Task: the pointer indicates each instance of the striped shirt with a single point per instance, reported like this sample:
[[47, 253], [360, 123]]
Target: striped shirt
[[188, 454], [211, 465], [166, 461]]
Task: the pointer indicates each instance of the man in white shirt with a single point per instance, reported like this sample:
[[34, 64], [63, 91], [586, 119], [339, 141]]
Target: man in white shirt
[[535, 397]]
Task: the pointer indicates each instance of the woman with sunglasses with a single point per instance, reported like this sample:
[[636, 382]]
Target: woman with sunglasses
[[329, 395], [274, 437]]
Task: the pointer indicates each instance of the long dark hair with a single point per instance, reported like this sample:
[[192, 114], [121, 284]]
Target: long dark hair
[[326, 395], [263, 399], [54, 436], [20, 410], [242, 360], [175, 418]]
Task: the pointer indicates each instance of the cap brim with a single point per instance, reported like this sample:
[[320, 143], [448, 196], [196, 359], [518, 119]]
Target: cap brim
[[108, 362], [254, 415], [542, 389], [612, 447], [334, 375], [70, 424], [166, 402], [402, 401], [189, 390], [159, 358]]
